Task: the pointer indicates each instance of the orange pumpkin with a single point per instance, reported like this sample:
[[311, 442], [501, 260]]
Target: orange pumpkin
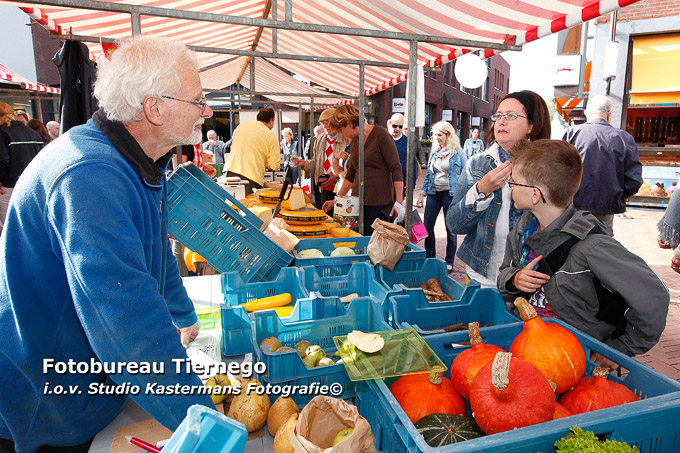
[[561, 412], [596, 392], [465, 366], [510, 393], [552, 348], [422, 394]]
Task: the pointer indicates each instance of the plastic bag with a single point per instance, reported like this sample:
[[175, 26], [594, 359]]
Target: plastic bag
[[387, 244], [418, 230], [324, 417]]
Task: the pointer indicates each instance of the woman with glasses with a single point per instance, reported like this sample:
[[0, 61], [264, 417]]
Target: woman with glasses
[[443, 170], [482, 207]]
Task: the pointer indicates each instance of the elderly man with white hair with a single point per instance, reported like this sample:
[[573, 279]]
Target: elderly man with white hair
[[395, 126], [214, 146], [92, 307], [53, 129], [611, 165]]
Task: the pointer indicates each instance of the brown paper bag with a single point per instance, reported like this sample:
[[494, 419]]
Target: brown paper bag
[[324, 417], [387, 244]]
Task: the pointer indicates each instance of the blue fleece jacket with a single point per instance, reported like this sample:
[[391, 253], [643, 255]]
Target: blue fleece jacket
[[87, 273]]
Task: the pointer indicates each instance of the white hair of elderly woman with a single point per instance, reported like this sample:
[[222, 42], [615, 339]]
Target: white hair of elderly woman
[[141, 66]]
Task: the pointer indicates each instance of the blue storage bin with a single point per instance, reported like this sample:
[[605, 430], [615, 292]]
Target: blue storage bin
[[412, 309], [287, 368], [201, 218], [431, 268], [205, 430], [650, 424], [360, 280], [236, 329], [330, 266]]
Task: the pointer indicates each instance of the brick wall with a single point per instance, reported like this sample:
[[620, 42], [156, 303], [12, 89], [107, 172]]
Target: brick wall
[[646, 9], [44, 49]]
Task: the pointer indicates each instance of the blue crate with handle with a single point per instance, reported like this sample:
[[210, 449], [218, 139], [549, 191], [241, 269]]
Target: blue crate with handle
[[431, 268], [412, 309], [359, 280], [202, 219], [330, 266], [650, 424], [287, 368], [205, 430], [236, 327]]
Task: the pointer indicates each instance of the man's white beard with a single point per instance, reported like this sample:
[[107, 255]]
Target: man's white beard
[[192, 139]]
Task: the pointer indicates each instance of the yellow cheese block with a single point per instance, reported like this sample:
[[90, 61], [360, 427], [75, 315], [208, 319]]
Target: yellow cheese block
[[306, 216], [309, 231], [263, 212], [295, 201]]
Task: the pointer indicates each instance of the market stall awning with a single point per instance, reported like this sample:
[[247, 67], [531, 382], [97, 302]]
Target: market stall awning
[[9, 76], [269, 79], [656, 65], [331, 29]]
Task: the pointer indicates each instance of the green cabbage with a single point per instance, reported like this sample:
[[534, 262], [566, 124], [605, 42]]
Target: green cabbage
[[310, 253], [343, 251]]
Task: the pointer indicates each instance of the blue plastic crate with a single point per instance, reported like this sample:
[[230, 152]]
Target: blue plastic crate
[[360, 280], [412, 309], [236, 329], [205, 430], [287, 368], [201, 218], [330, 266], [431, 268], [650, 424]]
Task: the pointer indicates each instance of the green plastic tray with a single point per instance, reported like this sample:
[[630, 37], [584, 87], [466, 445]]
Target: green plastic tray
[[405, 352]]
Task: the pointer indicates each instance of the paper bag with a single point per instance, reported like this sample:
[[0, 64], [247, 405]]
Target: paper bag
[[387, 244], [321, 420]]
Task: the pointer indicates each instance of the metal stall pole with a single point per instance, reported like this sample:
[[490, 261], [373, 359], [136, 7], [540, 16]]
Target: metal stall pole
[[312, 137], [361, 148], [411, 148]]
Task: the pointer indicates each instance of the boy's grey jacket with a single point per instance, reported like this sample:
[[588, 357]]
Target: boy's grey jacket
[[571, 292]]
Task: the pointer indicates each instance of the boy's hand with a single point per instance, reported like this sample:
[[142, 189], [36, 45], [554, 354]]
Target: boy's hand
[[528, 280]]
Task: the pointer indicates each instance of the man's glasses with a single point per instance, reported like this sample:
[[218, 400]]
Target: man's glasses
[[397, 126], [507, 116], [513, 183], [201, 104]]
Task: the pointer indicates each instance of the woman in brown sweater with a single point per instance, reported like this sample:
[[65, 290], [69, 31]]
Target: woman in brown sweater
[[382, 171]]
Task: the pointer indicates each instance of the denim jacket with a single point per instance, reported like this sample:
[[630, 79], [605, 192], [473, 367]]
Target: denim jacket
[[456, 164], [477, 226]]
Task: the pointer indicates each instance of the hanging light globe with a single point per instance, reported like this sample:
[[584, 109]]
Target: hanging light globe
[[470, 71]]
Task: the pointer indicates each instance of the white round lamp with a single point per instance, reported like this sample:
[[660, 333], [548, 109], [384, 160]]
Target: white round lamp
[[470, 71]]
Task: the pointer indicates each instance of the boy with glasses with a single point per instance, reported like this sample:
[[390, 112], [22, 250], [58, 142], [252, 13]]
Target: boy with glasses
[[567, 265]]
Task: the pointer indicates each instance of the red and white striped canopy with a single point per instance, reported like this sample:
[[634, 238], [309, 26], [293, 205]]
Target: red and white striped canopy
[[491, 21], [268, 78], [9, 76]]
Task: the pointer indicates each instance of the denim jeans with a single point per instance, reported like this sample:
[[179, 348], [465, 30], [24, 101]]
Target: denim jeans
[[435, 203]]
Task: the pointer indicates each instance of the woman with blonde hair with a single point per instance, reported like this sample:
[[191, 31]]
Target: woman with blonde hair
[[443, 169]]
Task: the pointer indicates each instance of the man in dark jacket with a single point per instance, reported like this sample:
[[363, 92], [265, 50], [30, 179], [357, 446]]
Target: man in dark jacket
[[611, 165], [19, 144]]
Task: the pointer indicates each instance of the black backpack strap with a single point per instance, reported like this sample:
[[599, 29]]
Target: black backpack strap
[[612, 306]]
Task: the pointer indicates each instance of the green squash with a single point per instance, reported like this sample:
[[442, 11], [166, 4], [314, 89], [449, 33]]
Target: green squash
[[444, 429]]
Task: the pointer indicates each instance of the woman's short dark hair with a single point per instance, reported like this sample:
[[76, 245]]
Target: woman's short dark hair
[[266, 114], [536, 110]]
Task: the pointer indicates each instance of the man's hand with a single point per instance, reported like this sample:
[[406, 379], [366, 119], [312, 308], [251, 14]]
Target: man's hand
[[528, 280], [663, 244], [209, 170], [297, 161], [332, 178], [328, 205], [189, 334], [2, 192]]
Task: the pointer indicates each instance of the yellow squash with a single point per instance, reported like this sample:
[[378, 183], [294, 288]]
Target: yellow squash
[[265, 303]]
